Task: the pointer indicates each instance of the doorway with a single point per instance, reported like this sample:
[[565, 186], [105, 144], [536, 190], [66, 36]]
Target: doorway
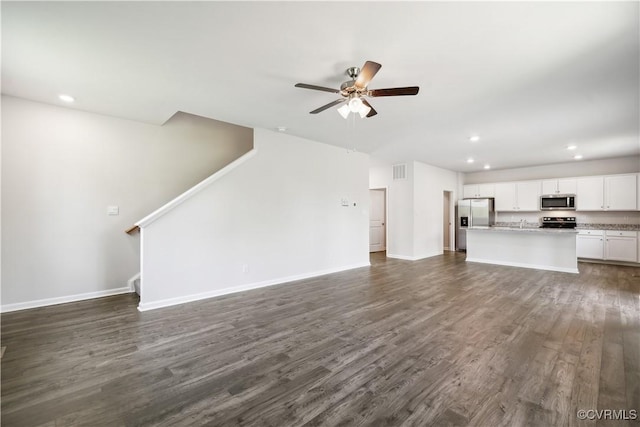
[[446, 220], [377, 220]]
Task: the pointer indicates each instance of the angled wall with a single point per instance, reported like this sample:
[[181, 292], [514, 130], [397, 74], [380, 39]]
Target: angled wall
[[61, 168], [277, 217]]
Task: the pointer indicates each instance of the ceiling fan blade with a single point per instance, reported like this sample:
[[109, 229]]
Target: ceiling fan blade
[[396, 91], [369, 69], [372, 112], [314, 87], [329, 105]]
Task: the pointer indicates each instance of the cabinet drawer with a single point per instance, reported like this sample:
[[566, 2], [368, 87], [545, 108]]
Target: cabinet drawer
[[620, 233], [590, 233]]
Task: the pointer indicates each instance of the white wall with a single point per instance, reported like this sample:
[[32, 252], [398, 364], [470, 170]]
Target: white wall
[[415, 209], [61, 168], [276, 217], [618, 165], [399, 209], [430, 182]]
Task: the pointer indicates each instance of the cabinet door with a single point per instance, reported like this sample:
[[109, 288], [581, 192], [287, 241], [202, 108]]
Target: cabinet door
[[590, 193], [487, 190], [550, 186], [528, 193], [590, 247], [620, 192], [469, 191], [506, 197], [567, 186], [638, 198], [621, 248]]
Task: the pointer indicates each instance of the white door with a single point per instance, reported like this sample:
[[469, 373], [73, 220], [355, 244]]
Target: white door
[[377, 221]]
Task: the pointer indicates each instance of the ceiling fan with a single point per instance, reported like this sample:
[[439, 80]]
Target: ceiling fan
[[355, 91]]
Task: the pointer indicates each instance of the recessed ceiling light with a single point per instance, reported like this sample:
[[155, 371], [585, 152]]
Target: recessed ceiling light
[[487, 166], [474, 138], [66, 98], [470, 160], [282, 128], [572, 147], [577, 156]]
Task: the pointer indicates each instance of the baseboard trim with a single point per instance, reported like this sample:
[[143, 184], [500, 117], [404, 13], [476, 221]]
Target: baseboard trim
[[246, 287], [413, 258], [63, 300], [522, 265], [609, 262]]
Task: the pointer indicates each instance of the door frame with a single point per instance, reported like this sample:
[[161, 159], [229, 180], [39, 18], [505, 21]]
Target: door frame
[[386, 216], [452, 220]]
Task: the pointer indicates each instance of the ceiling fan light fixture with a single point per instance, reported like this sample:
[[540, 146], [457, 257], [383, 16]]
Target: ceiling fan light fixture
[[355, 104], [344, 111], [363, 111]]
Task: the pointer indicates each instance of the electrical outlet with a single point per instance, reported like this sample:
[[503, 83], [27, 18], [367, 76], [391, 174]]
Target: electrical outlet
[[245, 268]]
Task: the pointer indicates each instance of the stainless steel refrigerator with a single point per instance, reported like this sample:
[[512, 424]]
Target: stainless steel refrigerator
[[473, 213]]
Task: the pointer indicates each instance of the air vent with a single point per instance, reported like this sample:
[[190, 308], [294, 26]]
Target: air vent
[[400, 171]]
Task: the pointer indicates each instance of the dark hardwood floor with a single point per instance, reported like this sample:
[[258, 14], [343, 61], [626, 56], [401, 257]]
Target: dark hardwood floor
[[433, 342]]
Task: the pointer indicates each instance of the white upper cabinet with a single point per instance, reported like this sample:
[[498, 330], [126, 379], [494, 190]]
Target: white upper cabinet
[[620, 192], [559, 186], [506, 197], [518, 196], [528, 193], [610, 193], [590, 193], [478, 190]]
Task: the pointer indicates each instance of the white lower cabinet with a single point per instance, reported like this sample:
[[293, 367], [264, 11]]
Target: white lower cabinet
[[590, 244], [621, 245], [613, 245]]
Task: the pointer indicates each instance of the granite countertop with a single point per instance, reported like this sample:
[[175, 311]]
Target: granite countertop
[[580, 226], [501, 228], [621, 227]]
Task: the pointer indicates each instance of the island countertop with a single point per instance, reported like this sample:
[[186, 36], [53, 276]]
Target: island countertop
[[526, 229]]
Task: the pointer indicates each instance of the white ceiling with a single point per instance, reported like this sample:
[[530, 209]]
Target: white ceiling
[[528, 77]]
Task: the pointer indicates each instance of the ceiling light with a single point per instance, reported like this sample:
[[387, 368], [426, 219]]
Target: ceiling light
[[577, 156], [474, 138], [344, 111], [355, 105], [470, 160], [66, 98], [487, 166], [572, 147], [363, 111]]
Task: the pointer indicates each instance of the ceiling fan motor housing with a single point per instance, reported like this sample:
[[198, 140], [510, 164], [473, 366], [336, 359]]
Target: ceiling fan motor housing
[[353, 72]]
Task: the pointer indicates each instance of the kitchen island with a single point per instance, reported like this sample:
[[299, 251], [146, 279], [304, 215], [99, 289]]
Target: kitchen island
[[540, 248]]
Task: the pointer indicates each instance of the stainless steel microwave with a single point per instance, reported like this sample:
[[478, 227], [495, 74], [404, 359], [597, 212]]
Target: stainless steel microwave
[[558, 202]]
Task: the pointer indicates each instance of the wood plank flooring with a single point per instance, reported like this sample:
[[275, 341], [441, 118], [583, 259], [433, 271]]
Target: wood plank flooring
[[434, 342]]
